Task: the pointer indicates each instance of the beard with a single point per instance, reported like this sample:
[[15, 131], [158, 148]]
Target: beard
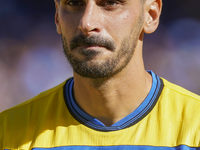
[[91, 68]]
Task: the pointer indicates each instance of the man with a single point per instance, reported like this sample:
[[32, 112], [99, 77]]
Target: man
[[111, 102]]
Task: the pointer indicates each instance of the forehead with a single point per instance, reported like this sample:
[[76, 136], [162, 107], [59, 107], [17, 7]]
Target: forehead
[[130, 4]]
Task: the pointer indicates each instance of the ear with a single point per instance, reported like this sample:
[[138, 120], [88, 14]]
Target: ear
[[57, 4], [152, 9]]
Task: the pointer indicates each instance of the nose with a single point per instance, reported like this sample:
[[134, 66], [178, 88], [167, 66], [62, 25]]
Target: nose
[[91, 19]]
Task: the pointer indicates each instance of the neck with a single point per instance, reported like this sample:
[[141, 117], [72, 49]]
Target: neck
[[112, 100], [109, 100]]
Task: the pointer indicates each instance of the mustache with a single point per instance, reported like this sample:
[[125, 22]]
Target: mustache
[[82, 40]]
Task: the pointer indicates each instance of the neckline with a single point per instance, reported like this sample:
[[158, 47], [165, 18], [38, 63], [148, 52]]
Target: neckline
[[138, 114]]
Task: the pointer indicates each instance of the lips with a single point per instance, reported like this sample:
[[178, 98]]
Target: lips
[[91, 46]]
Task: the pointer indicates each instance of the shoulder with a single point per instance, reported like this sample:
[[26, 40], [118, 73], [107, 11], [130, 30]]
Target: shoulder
[[179, 92], [30, 115], [177, 115], [40, 98], [28, 120], [32, 107], [179, 104], [179, 110]]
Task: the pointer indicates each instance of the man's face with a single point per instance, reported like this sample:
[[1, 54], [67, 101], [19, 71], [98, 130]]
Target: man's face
[[99, 36]]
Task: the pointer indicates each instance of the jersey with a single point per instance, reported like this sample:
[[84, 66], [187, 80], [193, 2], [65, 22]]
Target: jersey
[[168, 119]]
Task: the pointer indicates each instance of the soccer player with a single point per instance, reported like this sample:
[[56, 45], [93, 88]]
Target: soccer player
[[111, 102]]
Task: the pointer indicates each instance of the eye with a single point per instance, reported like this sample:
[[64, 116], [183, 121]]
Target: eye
[[110, 3], [74, 3]]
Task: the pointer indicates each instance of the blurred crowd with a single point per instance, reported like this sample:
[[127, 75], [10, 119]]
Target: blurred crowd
[[32, 60]]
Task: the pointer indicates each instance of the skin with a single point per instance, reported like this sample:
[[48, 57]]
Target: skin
[[113, 97]]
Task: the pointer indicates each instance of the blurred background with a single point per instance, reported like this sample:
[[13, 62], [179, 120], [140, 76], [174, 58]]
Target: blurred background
[[32, 60]]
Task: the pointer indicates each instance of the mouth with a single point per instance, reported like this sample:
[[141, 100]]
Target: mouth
[[88, 46], [92, 47], [92, 42], [88, 52]]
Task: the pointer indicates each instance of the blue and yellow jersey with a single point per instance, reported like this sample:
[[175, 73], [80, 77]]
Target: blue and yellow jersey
[[168, 119]]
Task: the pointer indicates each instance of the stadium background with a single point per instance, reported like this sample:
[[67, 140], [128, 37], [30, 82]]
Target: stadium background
[[31, 57]]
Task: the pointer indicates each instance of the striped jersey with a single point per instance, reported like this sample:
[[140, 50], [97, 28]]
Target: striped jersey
[[168, 119]]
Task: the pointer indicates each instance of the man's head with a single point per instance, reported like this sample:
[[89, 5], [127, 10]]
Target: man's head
[[100, 36]]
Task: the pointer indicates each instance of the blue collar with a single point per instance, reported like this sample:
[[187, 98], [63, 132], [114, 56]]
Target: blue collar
[[138, 114]]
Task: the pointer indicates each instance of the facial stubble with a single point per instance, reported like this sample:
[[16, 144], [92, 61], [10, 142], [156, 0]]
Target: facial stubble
[[91, 68]]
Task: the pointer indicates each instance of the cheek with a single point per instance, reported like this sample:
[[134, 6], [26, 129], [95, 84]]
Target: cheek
[[69, 24], [122, 25]]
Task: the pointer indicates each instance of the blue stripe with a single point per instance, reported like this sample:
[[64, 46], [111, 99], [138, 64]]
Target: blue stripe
[[144, 106], [181, 147], [129, 120]]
